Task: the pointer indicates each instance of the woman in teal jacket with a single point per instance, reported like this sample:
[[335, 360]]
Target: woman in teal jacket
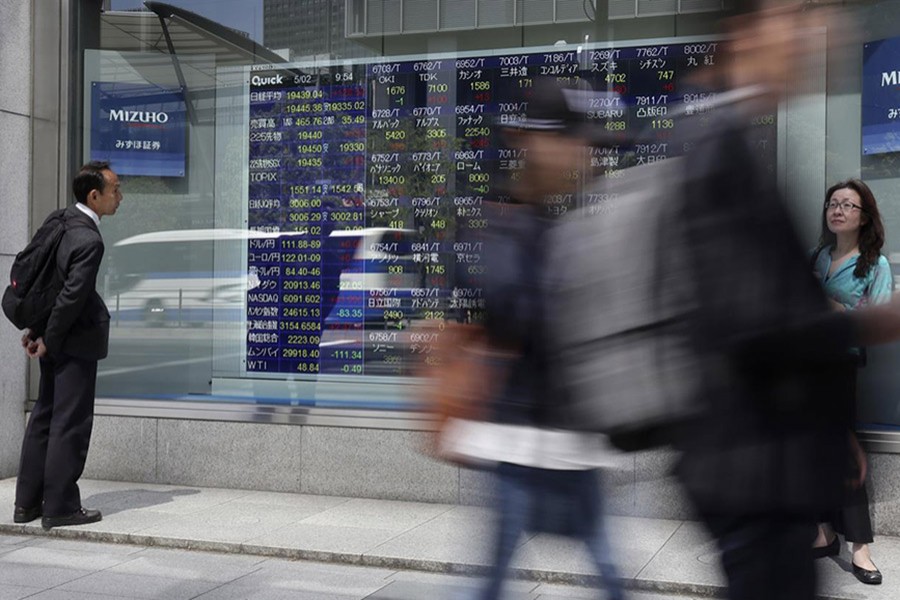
[[849, 263]]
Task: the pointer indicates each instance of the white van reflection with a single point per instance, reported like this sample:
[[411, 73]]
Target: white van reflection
[[195, 277]]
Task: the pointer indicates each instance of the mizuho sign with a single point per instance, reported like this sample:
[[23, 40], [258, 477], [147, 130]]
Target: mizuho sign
[[138, 116]]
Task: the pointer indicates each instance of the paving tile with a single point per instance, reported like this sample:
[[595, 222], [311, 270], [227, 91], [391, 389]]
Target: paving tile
[[690, 556], [564, 592], [16, 592], [415, 590], [111, 502], [379, 514], [16, 574], [228, 522], [306, 568], [457, 536], [87, 548], [177, 500], [408, 585], [324, 538], [48, 556], [14, 540], [236, 593], [159, 585], [91, 487], [58, 594], [307, 578], [555, 554], [634, 542], [182, 564], [547, 591], [440, 578], [302, 502]]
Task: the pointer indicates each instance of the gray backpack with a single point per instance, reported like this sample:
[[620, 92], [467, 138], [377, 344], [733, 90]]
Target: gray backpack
[[622, 294]]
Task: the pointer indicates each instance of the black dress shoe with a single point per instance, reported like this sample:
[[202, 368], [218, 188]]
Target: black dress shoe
[[26, 515], [832, 549], [82, 516], [867, 576]]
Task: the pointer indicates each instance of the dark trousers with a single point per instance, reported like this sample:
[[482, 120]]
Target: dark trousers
[[766, 556], [852, 519], [57, 437]]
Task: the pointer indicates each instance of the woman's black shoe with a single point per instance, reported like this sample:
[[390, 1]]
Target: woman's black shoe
[[867, 576], [832, 549]]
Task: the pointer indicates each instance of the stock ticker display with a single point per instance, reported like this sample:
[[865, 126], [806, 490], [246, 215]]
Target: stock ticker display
[[373, 175]]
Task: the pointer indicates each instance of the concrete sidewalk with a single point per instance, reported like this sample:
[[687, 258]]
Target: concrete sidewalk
[[659, 555]]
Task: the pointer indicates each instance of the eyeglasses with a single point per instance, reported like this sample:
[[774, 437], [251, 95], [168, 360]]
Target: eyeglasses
[[844, 206]]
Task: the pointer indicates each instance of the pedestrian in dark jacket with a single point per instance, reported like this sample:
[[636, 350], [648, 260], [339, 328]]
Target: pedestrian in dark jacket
[[547, 478], [75, 338], [766, 456]]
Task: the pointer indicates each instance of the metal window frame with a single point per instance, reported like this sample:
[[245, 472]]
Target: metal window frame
[[679, 10], [262, 413], [349, 34]]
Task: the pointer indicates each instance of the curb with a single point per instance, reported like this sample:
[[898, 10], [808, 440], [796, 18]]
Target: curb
[[363, 560]]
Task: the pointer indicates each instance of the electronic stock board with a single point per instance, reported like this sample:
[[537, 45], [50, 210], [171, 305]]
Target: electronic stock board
[[369, 175]]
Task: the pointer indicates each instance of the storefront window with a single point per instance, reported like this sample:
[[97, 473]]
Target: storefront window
[[300, 174]]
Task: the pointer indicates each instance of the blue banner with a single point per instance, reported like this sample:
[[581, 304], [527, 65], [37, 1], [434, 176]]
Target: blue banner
[[881, 97], [140, 129]]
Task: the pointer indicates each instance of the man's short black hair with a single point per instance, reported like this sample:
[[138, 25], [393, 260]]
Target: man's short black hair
[[90, 177]]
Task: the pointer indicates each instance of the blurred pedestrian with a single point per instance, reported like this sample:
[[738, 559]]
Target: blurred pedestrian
[[854, 273], [701, 321], [767, 455], [547, 478]]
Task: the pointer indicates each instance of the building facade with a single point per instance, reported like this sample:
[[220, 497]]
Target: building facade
[[286, 224]]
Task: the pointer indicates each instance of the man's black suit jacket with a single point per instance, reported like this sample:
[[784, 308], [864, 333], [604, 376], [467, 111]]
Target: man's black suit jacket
[[774, 435], [79, 323]]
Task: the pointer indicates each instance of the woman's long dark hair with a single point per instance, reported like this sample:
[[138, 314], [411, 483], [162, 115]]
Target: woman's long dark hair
[[871, 233]]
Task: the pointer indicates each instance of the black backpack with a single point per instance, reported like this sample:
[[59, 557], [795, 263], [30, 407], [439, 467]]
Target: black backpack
[[35, 280]]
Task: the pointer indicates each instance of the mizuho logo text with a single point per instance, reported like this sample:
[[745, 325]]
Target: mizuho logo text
[[138, 116], [890, 78]]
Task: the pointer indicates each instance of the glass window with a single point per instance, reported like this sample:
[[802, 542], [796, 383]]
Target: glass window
[[300, 175]]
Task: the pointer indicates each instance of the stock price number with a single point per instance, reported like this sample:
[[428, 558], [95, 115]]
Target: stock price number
[[303, 340], [300, 353]]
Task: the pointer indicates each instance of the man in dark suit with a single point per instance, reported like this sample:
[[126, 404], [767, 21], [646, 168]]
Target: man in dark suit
[[75, 337]]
